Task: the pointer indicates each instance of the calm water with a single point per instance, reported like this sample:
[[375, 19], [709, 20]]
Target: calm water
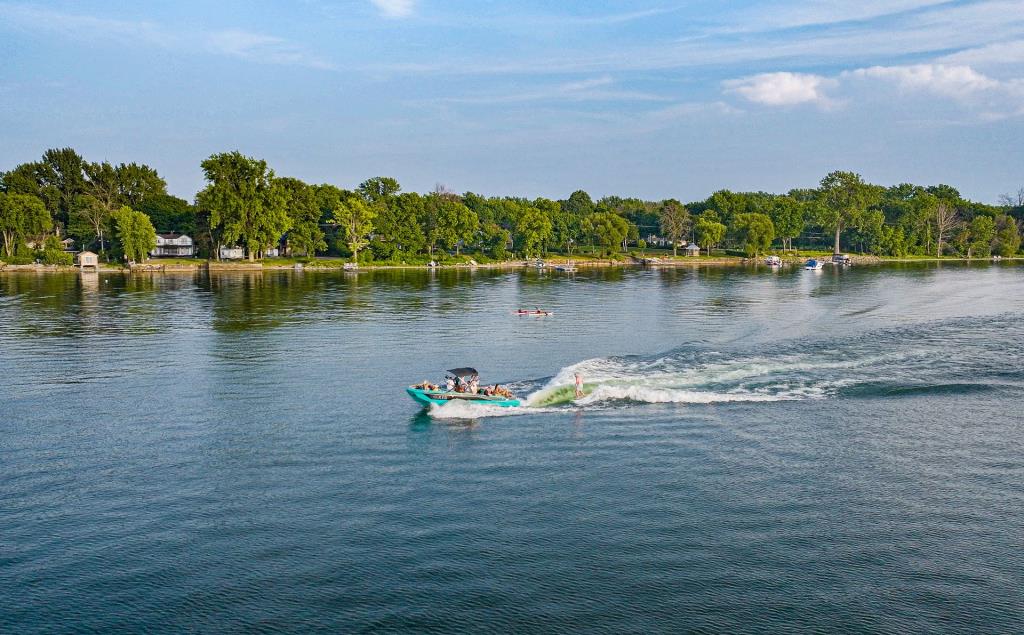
[[836, 451]]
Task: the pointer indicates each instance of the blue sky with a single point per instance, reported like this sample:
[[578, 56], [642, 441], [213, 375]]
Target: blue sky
[[655, 99]]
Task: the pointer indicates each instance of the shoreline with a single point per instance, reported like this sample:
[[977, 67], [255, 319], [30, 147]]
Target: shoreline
[[668, 262]]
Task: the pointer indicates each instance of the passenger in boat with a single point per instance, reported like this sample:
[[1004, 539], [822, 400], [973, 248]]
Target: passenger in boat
[[474, 386], [449, 384]]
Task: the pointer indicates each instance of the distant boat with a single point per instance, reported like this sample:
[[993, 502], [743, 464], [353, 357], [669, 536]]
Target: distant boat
[[537, 312], [773, 261], [568, 267], [814, 265], [350, 266]]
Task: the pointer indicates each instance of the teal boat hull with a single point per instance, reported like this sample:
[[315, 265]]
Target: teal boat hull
[[442, 397]]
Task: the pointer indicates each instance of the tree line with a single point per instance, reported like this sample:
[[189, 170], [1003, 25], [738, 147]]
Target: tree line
[[117, 210]]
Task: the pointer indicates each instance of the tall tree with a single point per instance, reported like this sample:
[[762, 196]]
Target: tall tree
[[1007, 239], [243, 199], [982, 231], [61, 176], [608, 228], [90, 219], [137, 183], [675, 222], [356, 220], [755, 232], [709, 231], [21, 216], [379, 189], [305, 234], [533, 228], [844, 197], [169, 213], [579, 204], [787, 216], [946, 220], [136, 234]]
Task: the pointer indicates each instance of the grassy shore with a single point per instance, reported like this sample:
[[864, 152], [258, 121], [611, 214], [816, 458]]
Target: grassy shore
[[327, 263]]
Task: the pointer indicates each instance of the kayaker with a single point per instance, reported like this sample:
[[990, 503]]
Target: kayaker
[[579, 386]]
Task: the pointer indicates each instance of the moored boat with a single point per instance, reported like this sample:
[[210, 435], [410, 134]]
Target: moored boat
[[814, 265], [773, 261]]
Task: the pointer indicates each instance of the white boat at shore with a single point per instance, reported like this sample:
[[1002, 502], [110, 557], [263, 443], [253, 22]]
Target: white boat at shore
[[773, 261], [814, 265]]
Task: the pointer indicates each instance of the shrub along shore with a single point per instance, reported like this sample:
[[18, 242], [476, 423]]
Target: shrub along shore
[[64, 203]]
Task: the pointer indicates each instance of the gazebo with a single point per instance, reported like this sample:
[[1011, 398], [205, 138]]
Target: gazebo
[[692, 250], [88, 259]]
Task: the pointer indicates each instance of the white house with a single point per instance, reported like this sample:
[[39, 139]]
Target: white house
[[173, 245], [231, 253]]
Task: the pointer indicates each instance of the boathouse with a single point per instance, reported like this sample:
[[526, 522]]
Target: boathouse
[[88, 259], [692, 250]]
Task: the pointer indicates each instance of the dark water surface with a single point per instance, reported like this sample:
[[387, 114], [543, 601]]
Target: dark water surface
[[836, 451]]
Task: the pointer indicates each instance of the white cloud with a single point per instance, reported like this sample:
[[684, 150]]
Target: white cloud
[[939, 79], [395, 8], [998, 54], [257, 47], [262, 48], [594, 89], [782, 88]]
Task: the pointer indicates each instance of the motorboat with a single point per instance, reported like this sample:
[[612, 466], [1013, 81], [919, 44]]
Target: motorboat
[[773, 261], [814, 265], [568, 267], [428, 395], [842, 260]]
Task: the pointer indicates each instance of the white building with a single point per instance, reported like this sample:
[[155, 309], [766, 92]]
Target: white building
[[173, 245]]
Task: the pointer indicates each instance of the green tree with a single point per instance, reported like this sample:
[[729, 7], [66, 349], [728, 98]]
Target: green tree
[[787, 216], [138, 183], [675, 222], [755, 232], [244, 201], [90, 220], [61, 176], [578, 204], [379, 189], [1007, 238], [135, 233], [982, 231], [447, 221], [169, 213], [844, 199], [355, 217], [608, 228], [709, 231], [533, 228], [53, 252], [305, 234], [495, 239], [22, 216]]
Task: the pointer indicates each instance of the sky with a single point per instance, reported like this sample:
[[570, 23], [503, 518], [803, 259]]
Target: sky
[[649, 98]]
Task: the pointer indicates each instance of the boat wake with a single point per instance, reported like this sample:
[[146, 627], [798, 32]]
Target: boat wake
[[893, 363]]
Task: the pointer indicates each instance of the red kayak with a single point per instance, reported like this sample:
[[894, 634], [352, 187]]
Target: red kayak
[[522, 312]]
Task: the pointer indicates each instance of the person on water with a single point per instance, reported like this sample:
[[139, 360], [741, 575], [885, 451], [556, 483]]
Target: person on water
[[579, 386], [449, 384]]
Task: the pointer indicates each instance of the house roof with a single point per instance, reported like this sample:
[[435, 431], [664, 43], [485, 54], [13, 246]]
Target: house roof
[[171, 235], [692, 246]]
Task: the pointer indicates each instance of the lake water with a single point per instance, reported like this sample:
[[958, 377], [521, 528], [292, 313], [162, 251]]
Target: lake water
[[835, 451]]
